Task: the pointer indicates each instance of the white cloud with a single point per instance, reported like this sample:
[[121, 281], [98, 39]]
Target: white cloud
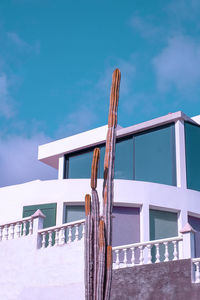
[[77, 121], [145, 28], [184, 9], [6, 108], [18, 160], [178, 64], [21, 44], [14, 37]]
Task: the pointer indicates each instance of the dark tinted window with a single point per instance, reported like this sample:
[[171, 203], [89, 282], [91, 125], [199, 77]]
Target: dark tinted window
[[192, 145], [155, 156], [124, 159]]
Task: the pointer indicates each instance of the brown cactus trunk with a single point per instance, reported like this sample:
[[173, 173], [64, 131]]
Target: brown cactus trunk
[[101, 262], [109, 175], [98, 238], [88, 249]]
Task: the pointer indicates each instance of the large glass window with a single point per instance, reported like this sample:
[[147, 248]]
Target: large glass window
[[148, 156], [78, 165], [192, 145], [124, 159], [155, 156]]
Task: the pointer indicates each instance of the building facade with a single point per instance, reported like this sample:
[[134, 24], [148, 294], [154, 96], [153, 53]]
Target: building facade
[[156, 186]]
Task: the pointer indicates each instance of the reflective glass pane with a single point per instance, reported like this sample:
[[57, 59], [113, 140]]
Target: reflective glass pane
[[74, 213], [155, 156], [79, 166], [124, 159], [163, 224], [192, 144]]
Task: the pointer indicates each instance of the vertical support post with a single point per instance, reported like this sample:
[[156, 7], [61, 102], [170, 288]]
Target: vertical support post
[[180, 154], [188, 241], [38, 219], [61, 167], [182, 220], [144, 228]]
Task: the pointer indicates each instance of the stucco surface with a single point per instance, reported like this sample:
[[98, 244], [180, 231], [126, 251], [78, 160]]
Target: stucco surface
[[53, 273], [162, 281]]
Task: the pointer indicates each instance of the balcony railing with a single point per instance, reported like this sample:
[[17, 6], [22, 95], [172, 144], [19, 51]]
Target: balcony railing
[[196, 269], [64, 234], [146, 253], [16, 229]]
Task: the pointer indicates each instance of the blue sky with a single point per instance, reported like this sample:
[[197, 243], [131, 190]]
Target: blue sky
[[56, 63]]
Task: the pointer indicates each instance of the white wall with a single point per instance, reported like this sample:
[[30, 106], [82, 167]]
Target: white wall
[[126, 192], [53, 273]]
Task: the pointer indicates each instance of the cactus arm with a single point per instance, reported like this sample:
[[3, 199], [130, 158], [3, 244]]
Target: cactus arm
[[108, 273], [88, 249], [101, 262], [95, 217]]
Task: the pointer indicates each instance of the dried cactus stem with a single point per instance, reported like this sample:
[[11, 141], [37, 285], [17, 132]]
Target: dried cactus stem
[[109, 175], [108, 273], [88, 249], [95, 217], [101, 262]]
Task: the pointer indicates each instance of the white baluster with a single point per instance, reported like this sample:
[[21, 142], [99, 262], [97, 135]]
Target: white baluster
[[21, 231], [43, 239], [76, 232], [175, 250], [6, 228], [24, 228], [30, 227], [12, 231], [133, 256], [141, 255], [70, 234], [125, 261], [166, 251], [57, 237], [18, 228], [83, 231], [197, 274], [149, 254], [117, 259], [157, 253], [1, 232], [62, 232], [50, 238]]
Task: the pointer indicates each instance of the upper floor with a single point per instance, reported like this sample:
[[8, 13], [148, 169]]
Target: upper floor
[[164, 150]]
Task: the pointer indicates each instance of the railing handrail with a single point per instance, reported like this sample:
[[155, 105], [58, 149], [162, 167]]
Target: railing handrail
[[197, 259], [15, 222], [65, 225], [176, 238]]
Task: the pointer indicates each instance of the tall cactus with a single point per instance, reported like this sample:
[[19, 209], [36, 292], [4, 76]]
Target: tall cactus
[[98, 238], [109, 174], [110, 155]]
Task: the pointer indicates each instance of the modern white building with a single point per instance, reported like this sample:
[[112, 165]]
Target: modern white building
[[156, 193]]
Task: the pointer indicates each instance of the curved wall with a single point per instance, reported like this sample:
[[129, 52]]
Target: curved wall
[[144, 195]]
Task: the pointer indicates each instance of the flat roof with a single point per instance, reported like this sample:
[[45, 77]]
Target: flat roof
[[49, 153]]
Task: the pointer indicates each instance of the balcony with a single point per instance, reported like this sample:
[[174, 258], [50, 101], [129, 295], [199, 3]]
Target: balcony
[[49, 263]]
